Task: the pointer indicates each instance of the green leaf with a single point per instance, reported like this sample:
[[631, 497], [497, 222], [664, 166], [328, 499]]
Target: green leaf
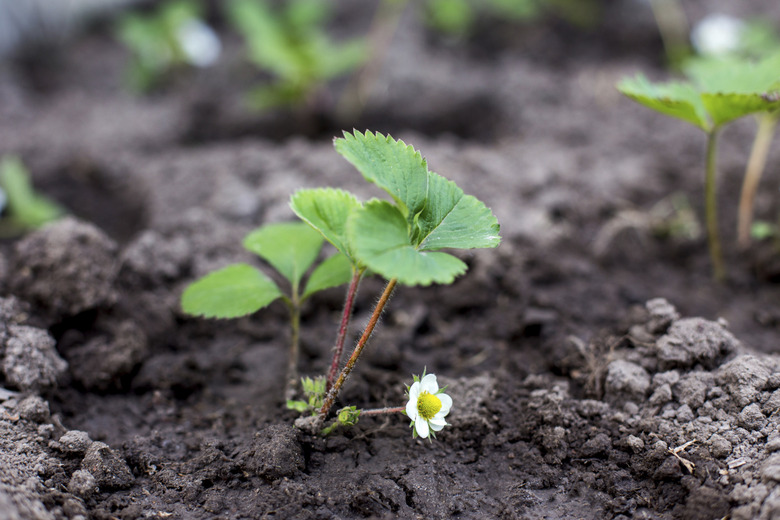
[[392, 165], [231, 292], [724, 108], [298, 406], [327, 211], [733, 75], [452, 219], [381, 237], [676, 99], [290, 247], [26, 208], [266, 36], [334, 271]]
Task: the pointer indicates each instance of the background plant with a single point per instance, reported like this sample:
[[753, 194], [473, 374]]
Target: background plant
[[164, 41], [291, 44], [756, 41], [716, 96], [23, 208], [458, 17]]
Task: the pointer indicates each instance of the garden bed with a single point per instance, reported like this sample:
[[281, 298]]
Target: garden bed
[[596, 370]]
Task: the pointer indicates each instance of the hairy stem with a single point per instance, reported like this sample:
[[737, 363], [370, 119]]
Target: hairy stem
[[711, 206], [349, 303], [380, 411], [334, 391], [295, 347], [354, 97], [755, 168]]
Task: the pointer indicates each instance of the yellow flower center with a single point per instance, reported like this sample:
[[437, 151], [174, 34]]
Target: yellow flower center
[[428, 405]]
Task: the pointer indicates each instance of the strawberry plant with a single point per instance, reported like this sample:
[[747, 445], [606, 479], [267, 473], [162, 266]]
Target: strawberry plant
[[291, 44], [713, 97], [401, 239]]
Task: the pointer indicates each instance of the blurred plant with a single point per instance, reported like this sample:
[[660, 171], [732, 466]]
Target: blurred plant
[[715, 95], [383, 27], [458, 17], [172, 37], [291, 44], [743, 41], [23, 209], [241, 289]]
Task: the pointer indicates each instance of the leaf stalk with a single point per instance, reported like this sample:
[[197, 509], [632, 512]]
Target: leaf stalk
[[349, 303], [331, 397], [767, 123], [711, 206]]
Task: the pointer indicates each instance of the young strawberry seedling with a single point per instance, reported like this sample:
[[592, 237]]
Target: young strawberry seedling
[[291, 44], [400, 240], [714, 97], [241, 289]]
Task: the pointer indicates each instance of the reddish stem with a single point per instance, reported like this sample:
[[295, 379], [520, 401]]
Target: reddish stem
[[331, 397], [380, 411], [349, 303]]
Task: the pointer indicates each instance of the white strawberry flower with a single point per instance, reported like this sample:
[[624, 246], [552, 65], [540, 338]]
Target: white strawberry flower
[[427, 406]]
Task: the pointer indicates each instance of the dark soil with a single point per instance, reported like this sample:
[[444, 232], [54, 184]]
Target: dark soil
[[597, 371]]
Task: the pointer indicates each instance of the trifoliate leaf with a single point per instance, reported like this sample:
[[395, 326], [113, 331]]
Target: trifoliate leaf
[[290, 247], [334, 271], [392, 165], [327, 211], [231, 292], [676, 99], [381, 237], [452, 219]]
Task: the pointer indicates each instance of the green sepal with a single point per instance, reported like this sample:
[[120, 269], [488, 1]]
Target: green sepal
[[233, 291]]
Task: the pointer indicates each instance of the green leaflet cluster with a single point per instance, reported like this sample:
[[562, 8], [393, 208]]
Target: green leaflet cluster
[[401, 239]]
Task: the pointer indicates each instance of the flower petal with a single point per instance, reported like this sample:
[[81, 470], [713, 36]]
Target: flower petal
[[422, 428], [411, 408], [429, 384], [446, 404], [414, 391], [436, 427]]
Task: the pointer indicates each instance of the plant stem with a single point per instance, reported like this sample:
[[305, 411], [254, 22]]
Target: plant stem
[[755, 168], [292, 363], [380, 305], [673, 27], [383, 27], [711, 206], [380, 411], [349, 303]]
